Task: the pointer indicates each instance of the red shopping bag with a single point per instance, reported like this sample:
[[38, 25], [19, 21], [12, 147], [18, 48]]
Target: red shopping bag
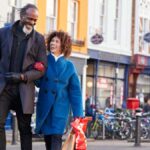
[[79, 127]]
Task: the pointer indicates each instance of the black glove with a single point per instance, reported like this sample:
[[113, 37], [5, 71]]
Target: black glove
[[13, 77]]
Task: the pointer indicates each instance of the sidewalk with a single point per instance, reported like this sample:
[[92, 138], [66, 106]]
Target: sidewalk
[[91, 145], [94, 145]]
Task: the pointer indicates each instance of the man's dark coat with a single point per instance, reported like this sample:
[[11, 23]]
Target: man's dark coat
[[35, 52]]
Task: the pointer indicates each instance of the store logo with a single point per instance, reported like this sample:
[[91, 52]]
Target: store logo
[[97, 39]]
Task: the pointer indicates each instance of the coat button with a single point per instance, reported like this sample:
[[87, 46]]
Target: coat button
[[53, 92]]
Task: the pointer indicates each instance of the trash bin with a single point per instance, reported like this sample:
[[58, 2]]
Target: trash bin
[[133, 103]]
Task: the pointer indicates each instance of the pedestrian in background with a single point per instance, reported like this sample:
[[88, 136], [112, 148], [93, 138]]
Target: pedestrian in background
[[146, 107], [21, 47], [59, 89]]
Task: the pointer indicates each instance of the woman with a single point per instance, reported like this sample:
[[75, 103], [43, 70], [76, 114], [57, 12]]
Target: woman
[[59, 89]]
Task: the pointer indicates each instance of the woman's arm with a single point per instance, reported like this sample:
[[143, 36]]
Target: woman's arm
[[75, 96]]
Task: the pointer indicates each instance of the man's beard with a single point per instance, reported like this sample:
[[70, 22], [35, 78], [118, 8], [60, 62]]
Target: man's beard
[[27, 29]]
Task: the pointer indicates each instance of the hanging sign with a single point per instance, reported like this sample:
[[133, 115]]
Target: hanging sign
[[97, 38]]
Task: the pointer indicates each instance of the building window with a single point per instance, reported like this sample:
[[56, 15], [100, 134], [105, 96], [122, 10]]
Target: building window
[[102, 16], [117, 21], [144, 28], [51, 15], [73, 18]]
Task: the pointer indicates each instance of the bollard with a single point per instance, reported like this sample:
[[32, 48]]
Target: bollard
[[14, 129], [138, 127]]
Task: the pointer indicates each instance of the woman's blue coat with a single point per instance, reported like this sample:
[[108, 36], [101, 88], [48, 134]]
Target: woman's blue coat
[[59, 89]]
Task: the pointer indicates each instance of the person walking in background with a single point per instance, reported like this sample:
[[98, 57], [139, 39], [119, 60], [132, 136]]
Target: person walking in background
[[146, 107], [59, 88], [21, 48]]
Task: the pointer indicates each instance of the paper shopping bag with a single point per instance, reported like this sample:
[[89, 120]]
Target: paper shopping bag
[[69, 144]]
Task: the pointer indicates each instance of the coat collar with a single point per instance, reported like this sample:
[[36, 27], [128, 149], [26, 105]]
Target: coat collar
[[57, 66], [59, 60]]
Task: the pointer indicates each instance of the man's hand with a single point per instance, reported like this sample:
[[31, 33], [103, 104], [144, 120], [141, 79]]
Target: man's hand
[[13, 77]]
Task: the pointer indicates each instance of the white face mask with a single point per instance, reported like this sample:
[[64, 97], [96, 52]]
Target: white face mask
[[27, 29]]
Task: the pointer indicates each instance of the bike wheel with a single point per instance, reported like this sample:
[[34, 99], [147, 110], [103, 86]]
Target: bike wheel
[[93, 130], [123, 131], [144, 133]]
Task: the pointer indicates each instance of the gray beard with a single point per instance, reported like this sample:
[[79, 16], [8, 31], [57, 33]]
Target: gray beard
[[27, 30]]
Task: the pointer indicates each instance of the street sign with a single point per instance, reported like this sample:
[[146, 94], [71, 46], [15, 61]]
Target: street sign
[[147, 37], [97, 38]]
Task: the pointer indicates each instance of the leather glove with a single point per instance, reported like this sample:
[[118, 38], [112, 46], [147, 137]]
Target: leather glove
[[13, 77]]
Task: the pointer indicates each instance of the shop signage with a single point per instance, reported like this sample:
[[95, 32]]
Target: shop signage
[[102, 83], [147, 37], [97, 38], [103, 80], [141, 60]]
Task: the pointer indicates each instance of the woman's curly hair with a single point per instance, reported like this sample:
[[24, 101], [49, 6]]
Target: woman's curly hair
[[65, 40]]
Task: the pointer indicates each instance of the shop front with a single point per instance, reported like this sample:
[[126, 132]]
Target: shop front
[[139, 77], [107, 79], [143, 80], [143, 87]]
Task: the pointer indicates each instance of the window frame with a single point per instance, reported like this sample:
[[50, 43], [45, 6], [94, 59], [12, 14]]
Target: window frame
[[117, 21], [52, 17], [70, 21]]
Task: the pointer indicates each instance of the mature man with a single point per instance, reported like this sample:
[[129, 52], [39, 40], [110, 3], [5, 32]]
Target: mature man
[[21, 48]]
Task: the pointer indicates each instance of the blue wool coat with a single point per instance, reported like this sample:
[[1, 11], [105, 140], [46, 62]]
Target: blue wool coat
[[59, 89]]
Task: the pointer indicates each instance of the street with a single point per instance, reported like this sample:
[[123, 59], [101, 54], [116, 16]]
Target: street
[[93, 145]]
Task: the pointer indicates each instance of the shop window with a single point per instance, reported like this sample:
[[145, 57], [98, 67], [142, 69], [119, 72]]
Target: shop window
[[90, 69], [121, 70], [107, 94], [90, 87], [143, 85], [107, 70]]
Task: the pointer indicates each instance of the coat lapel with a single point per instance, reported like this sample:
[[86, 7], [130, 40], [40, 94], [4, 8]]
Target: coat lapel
[[61, 66], [58, 67], [10, 39], [30, 42]]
